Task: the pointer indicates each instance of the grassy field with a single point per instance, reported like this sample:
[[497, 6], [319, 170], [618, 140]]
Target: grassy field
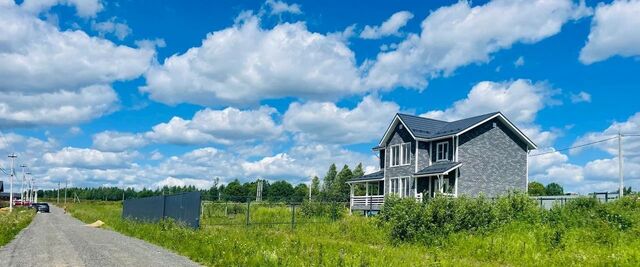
[[554, 238], [12, 223]]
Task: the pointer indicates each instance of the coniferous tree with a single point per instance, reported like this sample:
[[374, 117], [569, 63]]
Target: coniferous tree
[[315, 186], [358, 171], [340, 190], [330, 178]]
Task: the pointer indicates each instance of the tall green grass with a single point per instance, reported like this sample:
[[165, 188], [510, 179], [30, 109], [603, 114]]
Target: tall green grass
[[12, 223], [445, 232]]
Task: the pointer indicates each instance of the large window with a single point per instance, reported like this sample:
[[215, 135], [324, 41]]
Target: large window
[[442, 151], [401, 186], [400, 154], [395, 188]]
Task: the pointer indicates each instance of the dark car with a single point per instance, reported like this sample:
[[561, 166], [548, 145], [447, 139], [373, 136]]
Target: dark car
[[41, 207]]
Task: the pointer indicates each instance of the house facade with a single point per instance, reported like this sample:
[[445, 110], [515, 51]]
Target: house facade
[[422, 157]]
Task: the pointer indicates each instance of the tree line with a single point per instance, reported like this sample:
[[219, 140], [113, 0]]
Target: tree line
[[332, 187]]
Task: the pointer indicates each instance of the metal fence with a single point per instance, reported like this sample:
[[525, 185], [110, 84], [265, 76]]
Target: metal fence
[[249, 213], [184, 208], [548, 202]]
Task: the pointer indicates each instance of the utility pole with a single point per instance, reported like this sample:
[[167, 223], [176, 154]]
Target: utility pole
[[620, 160], [22, 184], [29, 187], [13, 158], [66, 183]]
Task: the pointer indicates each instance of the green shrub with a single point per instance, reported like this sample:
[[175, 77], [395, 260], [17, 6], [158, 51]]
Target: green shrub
[[333, 210], [517, 206], [405, 216], [441, 216], [475, 214]]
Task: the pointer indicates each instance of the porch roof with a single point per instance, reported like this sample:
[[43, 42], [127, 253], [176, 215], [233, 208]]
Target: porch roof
[[439, 168], [376, 176]]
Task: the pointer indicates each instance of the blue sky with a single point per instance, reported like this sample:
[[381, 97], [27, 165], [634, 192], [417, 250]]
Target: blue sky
[[151, 93]]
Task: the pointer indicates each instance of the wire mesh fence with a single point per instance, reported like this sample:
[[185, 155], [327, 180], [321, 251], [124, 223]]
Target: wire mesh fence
[[250, 212]]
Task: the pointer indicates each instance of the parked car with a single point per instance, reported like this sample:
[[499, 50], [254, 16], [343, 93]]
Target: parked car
[[41, 207]]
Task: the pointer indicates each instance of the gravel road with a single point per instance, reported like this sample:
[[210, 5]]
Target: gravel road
[[57, 239]]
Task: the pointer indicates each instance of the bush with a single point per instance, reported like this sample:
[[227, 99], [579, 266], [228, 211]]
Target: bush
[[517, 206], [441, 216], [475, 214], [405, 216], [332, 210]]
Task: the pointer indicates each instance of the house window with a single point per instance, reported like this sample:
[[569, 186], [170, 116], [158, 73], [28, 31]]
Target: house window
[[401, 186], [406, 153], [442, 151], [406, 186], [400, 154], [395, 156], [395, 189]]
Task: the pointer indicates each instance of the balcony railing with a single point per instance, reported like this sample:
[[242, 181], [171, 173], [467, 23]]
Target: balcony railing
[[374, 201]]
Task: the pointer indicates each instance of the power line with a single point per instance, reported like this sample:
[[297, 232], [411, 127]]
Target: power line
[[574, 147]]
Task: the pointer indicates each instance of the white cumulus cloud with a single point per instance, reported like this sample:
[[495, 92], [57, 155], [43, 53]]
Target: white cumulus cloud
[[451, 38], [246, 63], [87, 158], [614, 31], [325, 122], [389, 27], [117, 141], [519, 100], [220, 126]]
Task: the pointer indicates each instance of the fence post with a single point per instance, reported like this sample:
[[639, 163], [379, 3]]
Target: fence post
[[333, 211], [293, 216], [164, 206], [248, 208]]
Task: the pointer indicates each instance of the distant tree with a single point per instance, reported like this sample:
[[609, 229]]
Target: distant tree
[[330, 177], [279, 191], [358, 171], [554, 189], [315, 186], [340, 190], [212, 193], [301, 192], [627, 191], [536, 189], [234, 191]]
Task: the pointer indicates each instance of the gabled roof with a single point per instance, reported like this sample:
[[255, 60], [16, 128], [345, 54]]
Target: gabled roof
[[427, 128], [439, 168], [376, 176]]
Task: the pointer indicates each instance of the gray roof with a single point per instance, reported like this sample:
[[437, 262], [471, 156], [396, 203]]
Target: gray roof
[[430, 128], [438, 168], [379, 175]]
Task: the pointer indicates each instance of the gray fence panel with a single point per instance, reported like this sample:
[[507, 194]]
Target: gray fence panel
[[184, 207], [181, 207], [145, 209]]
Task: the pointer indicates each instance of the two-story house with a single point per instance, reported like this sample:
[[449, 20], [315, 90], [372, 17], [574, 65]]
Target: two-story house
[[421, 157]]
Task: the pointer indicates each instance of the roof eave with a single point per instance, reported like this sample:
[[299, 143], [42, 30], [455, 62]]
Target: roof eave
[[388, 131]]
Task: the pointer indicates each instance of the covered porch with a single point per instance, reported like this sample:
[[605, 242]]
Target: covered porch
[[440, 178], [367, 192]]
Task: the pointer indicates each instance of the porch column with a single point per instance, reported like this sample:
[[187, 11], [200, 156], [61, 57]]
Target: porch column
[[350, 198], [366, 193], [440, 185]]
